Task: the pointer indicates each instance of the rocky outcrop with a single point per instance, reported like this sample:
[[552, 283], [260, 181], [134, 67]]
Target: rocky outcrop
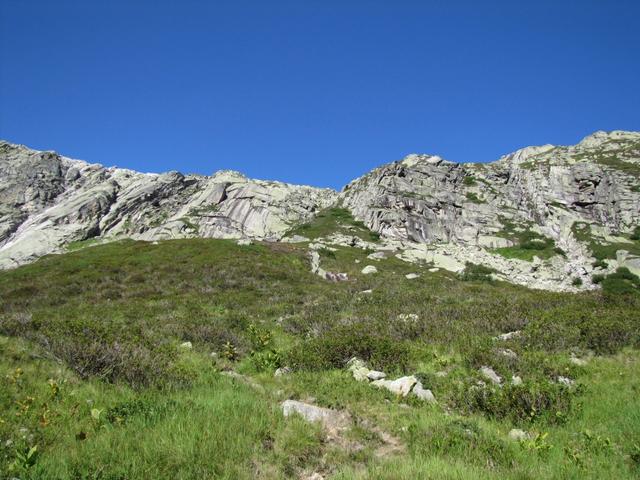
[[424, 198], [48, 201]]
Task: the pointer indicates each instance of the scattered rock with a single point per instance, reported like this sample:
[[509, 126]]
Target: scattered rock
[[244, 241], [401, 386], [313, 476], [508, 336], [566, 381], [282, 371], [490, 374], [518, 435], [333, 421], [411, 276], [442, 373], [186, 346], [366, 291], [508, 353], [369, 269], [578, 361], [377, 256], [423, 393], [434, 270], [295, 239], [376, 375], [516, 380]]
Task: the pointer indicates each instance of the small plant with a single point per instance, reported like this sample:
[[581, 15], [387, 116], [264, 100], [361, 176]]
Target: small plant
[[469, 180], [229, 351], [260, 338], [538, 443], [576, 282], [473, 197], [635, 454], [267, 360], [25, 459]]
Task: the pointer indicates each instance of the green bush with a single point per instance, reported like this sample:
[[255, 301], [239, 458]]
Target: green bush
[[599, 264], [576, 282], [531, 401], [334, 348], [621, 282], [473, 272]]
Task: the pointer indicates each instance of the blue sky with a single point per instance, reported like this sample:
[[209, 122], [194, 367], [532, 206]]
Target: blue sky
[[317, 91]]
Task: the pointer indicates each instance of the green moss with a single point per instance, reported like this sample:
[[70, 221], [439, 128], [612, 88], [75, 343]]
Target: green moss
[[469, 180], [473, 197]]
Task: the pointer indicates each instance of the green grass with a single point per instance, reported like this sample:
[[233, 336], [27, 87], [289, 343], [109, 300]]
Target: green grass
[[529, 244], [604, 250], [104, 390], [334, 220], [77, 245]]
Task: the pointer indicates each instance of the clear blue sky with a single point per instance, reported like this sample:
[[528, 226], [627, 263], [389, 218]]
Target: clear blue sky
[[312, 91]]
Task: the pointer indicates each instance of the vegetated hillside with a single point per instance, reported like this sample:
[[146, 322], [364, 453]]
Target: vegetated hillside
[[98, 382]]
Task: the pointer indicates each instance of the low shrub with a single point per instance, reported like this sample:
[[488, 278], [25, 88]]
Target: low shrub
[[334, 348], [531, 401], [479, 273]]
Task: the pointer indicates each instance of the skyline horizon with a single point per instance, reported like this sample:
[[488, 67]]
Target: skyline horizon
[[337, 188]]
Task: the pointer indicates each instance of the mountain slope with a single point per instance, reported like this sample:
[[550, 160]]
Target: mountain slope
[[547, 217]]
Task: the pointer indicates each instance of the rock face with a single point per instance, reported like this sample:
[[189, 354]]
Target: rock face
[[47, 201], [427, 199], [425, 209]]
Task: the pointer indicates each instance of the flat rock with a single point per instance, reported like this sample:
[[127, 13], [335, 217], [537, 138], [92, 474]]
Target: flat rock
[[423, 393], [490, 374], [369, 269], [401, 386], [518, 435], [330, 419], [376, 375], [411, 276]]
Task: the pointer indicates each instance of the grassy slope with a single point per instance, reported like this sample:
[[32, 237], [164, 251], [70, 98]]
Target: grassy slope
[[104, 324]]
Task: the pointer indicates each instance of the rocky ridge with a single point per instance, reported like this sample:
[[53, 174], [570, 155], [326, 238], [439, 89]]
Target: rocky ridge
[[48, 201], [426, 209]]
